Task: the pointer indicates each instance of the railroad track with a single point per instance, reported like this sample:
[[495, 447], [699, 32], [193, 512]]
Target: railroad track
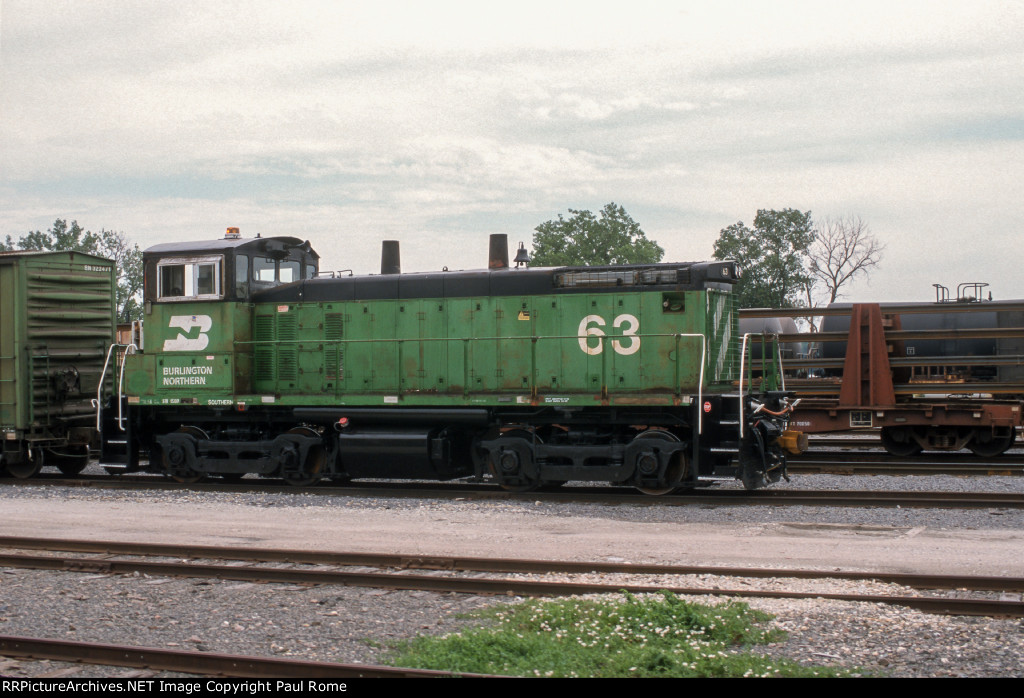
[[476, 575], [204, 663], [585, 494]]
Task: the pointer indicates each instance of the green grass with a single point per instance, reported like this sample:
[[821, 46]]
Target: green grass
[[652, 636]]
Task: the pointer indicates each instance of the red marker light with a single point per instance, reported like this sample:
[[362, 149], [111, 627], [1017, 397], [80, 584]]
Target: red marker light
[[342, 422]]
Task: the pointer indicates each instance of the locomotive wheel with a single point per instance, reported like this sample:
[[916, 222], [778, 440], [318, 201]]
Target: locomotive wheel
[[73, 461], [675, 470], [511, 465], [310, 471], [899, 442], [753, 460], [27, 468], [174, 464], [985, 445]]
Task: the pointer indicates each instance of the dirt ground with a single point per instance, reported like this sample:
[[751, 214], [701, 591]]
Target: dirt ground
[[504, 529]]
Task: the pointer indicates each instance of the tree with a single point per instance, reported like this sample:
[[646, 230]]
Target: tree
[[771, 256], [127, 258], [585, 240], [843, 249]]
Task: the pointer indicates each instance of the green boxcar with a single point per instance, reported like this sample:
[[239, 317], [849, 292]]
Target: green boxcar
[[57, 322], [254, 364]]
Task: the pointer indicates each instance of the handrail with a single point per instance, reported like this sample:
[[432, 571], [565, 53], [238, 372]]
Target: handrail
[[98, 402], [130, 349], [743, 359], [700, 381], [743, 372]]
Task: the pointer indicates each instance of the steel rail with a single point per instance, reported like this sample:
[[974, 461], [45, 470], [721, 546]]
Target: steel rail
[[1008, 500], [889, 309], [490, 586], [204, 663], [843, 335], [603, 495], [488, 564], [938, 459], [821, 466], [948, 391]]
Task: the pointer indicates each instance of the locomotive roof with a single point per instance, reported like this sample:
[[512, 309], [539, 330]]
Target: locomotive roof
[[683, 276], [237, 245]]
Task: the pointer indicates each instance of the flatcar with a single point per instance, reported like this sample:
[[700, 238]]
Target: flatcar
[[929, 376], [256, 362], [57, 319]]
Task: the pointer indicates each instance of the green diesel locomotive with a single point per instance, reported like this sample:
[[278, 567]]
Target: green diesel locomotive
[[256, 362]]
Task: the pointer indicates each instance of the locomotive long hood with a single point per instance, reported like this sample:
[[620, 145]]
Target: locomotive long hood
[[682, 276]]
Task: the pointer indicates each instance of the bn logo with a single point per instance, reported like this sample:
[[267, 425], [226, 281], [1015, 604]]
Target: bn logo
[[185, 341]]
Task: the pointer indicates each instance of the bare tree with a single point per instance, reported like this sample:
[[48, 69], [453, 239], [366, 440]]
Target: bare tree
[[844, 248]]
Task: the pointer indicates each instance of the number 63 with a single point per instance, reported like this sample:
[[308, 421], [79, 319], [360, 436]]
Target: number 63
[[628, 344]]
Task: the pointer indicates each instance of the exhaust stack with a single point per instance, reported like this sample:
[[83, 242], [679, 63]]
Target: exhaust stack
[[498, 257], [390, 258]]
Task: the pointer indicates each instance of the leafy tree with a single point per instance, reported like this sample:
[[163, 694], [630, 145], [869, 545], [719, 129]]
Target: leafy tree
[[772, 256], [586, 240], [127, 257]]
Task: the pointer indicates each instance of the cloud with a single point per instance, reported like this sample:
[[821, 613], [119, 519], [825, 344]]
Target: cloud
[[450, 120]]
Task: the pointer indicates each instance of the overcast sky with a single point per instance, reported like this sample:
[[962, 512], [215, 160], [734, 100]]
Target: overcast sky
[[437, 123]]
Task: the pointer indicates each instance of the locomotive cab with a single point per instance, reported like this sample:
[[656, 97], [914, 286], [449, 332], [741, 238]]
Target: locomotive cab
[[198, 318], [230, 269]]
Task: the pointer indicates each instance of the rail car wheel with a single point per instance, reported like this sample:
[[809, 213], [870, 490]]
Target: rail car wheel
[[309, 472], [900, 442], [175, 459], [71, 460], [649, 463], [988, 445], [30, 465], [508, 471]]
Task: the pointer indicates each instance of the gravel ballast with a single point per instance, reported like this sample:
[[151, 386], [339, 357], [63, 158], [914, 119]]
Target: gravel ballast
[[355, 624]]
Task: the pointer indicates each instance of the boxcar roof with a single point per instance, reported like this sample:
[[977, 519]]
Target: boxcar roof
[[10, 256]]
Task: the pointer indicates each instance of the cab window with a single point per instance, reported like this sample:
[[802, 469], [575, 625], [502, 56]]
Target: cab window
[[182, 279], [263, 269], [241, 275], [289, 272], [267, 270]]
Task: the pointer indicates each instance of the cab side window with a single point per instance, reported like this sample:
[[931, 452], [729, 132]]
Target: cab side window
[[172, 280], [187, 279]]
